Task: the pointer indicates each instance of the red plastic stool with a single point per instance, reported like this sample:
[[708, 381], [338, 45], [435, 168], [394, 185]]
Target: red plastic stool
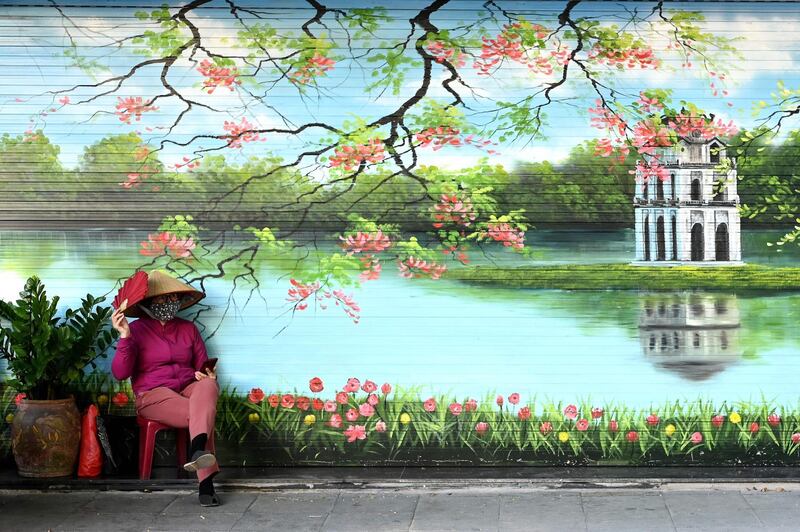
[[147, 444]]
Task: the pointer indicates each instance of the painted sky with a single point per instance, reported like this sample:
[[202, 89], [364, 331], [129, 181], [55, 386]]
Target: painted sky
[[33, 39]]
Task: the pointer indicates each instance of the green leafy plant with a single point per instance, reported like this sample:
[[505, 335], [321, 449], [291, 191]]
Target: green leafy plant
[[47, 354]]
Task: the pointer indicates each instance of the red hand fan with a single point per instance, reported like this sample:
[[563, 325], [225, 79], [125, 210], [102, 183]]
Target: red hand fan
[[133, 290]]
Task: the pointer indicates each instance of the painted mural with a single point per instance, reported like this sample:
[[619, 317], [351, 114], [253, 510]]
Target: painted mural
[[441, 231]]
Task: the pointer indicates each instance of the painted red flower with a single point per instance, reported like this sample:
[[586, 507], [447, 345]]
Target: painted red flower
[[597, 413], [613, 426], [429, 405], [717, 420], [315, 385], [274, 400], [470, 405], [369, 386], [524, 413], [571, 411], [366, 410], [256, 395], [351, 415], [303, 403], [546, 428], [481, 428], [632, 436], [373, 399], [330, 406], [317, 404], [287, 401], [455, 409], [774, 419], [697, 437], [342, 398], [499, 400], [335, 421], [796, 437], [120, 399], [386, 388], [582, 425], [19, 397], [352, 386], [380, 426], [652, 420], [754, 427], [355, 432], [513, 398]]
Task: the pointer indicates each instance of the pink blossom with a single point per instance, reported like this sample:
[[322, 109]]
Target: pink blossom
[[380, 426], [481, 428], [19, 398], [455, 409], [166, 243], [217, 76], [754, 427], [353, 384], [499, 400], [513, 398], [366, 410], [330, 406], [132, 107], [796, 437], [314, 67], [613, 426], [350, 157], [632, 436], [386, 388], [652, 420], [240, 133], [453, 210], [597, 413], [373, 399], [546, 428], [697, 437], [774, 419], [442, 52], [335, 421], [355, 432], [470, 405], [369, 386], [287, 401], [717, 421], [429, 405], [505, 233], [342, 398], [256, 395], [524, 413], [351, 414], [413, 267], [315, 385], [582, 425], [571, 411]]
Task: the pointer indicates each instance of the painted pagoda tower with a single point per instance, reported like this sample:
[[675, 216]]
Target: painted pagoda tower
[[693, 216]]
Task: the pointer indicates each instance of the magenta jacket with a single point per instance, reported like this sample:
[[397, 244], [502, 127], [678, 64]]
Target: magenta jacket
[[155, 355]]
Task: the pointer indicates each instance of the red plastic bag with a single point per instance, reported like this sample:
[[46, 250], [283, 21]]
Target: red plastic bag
[[91, 457]]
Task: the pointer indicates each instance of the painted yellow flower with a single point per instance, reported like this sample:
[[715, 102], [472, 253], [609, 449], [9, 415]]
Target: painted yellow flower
[[310, 419], [9, 418], [254, 417], [102, 399], [669, 430], [735, 418], [563, 437], [405, 419]]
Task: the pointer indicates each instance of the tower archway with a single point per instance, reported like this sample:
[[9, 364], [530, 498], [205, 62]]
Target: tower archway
[[722, 243], [698, 242], [661, 239], [646, 229], [696, 193]]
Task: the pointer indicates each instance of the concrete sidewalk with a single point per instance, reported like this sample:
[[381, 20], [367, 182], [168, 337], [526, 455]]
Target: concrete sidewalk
[[729, 507]]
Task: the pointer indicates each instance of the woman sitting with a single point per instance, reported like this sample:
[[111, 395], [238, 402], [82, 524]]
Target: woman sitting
[[163, 356]]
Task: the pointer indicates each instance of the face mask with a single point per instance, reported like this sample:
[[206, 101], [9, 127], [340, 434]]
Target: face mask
[[164, 311]]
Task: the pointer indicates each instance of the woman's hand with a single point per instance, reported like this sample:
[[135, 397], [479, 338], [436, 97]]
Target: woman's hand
[[209, 374], [120, 323]]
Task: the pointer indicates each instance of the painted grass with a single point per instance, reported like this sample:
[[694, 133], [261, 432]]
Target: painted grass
[[618, 276]]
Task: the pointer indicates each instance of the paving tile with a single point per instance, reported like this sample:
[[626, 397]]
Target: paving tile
[[203, 521], [625, 511], [87, 520], [232, 502], [535, 511], [442, 511], [709, 510], [122, 502], [778, 511], [290, 511], [371, 511]]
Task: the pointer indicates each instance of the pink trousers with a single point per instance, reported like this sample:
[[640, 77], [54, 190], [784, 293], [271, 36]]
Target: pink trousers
[[194, 407]]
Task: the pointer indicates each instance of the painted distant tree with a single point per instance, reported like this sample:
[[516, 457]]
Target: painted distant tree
[[432, 83]]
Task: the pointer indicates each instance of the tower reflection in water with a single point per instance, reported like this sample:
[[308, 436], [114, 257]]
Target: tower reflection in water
[[693, 335]]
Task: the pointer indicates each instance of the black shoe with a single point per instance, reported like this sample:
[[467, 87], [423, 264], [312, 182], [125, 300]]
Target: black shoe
[[209, 499], [200, 460]]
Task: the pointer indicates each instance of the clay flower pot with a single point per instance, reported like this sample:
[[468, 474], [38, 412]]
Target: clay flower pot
[[45, 437]]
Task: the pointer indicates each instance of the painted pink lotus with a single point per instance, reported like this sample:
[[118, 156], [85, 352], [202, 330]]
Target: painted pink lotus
[[287, 401], [456, 409], [303, 403], [256, 395], [597, 413], [513, 398], [613, 426], [774, 419], [274, 400], [429, 405], [315, 385], [330, 406], [571, 412], [481, 428], [342, 398], [19, 398], [351, 415], [317, 404], [796, 437], [652, 420], [632, 436], [499, 400], [355, 432], [366, 410], [717, 421], [335, 421], [165, 243], [754, 427], [546, 428], [369, 386], [386, 389], [380, 426], [373, 399], [582, 425], [352, 386], [524, 413], [470, 405], [697, 437]]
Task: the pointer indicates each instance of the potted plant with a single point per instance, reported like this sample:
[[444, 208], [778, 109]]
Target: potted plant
[[46, 354]]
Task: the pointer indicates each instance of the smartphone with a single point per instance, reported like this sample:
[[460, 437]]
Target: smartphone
[[208, 365]]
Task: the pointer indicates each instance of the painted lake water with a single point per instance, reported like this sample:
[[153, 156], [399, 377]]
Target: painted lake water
[[442, 336]]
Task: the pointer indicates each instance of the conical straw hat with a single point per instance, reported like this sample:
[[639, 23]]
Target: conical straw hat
[[160, 283]]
